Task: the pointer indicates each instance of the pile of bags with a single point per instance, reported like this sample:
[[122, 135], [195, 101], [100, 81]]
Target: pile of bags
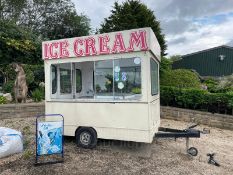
[[11, 142]]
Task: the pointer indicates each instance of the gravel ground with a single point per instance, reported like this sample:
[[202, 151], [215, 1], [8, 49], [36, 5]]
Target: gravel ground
[[164, 156]]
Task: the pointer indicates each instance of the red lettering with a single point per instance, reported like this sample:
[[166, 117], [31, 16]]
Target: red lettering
[[46, 51], [138, 39], [90, 46], [63, 49], [78, 52], [103, 43], [53, 54], [119, 45]]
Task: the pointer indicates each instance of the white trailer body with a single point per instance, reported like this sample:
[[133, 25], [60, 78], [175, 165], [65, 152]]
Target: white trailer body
[[107, 82]]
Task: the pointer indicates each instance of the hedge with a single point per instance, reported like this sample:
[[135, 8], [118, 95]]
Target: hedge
[[181, 78], [197, 99]]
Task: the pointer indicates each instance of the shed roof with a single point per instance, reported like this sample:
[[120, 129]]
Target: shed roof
[[213, 48]]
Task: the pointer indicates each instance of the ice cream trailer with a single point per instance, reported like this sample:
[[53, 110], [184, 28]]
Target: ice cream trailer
[[106, 86]]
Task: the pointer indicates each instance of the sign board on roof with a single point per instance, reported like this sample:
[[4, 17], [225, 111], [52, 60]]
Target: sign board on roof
[[108, 43]]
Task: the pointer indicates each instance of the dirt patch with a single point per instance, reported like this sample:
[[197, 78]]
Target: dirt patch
[[164, 156]]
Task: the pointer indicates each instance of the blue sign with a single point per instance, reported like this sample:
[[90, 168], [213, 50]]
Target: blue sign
[[117, 76], [49, 137], [123, 76]]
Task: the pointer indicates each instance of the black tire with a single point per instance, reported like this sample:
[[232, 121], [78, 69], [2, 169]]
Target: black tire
[[86, 137], [192, 151]]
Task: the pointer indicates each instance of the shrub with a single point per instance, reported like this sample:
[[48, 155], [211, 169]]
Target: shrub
[[3, 100], [29, 74], [8, 87], [165, 66], [136, 90], [38, 94], [212, 85], [192, 98], [180, 78]]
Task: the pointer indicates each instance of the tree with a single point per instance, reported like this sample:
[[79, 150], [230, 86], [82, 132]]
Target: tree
[[18, 45], [53, 19], [165, 66], [130, 15], [174, 58], [11, 9]]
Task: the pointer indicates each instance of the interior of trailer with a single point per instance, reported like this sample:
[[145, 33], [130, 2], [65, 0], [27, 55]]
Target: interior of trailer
[[113, 79]]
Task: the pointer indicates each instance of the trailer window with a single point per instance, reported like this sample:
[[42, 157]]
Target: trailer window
[[104, 79], [154, 77], [127, 78], [54, 79], [65, 80], [78, 81]]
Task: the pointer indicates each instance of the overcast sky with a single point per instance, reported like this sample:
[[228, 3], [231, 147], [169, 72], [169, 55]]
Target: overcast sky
[[189, 25]]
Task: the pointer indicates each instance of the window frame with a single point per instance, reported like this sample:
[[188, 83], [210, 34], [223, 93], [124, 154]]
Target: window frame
[[80, 80], [56, 78], [73, 94]]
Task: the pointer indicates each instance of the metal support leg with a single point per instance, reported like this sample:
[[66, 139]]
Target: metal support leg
[[187, 143]]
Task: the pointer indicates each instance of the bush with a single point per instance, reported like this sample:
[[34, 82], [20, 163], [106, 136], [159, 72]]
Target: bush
[[3, 100], [38, 94], [192, 98], [34, 75], [212, 85], [180, 78], [136, 90], [8, 87]]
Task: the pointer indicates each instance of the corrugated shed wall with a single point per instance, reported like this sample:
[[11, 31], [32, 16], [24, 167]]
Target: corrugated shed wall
[[207, 63]]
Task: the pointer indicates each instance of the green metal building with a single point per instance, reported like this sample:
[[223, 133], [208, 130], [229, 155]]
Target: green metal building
[[217, 61]]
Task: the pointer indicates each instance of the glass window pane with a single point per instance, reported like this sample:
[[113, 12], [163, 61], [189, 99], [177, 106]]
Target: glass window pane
[[127, 78], [54, 79], [104, 79], [154, 77], [65, 80], [78, 81]]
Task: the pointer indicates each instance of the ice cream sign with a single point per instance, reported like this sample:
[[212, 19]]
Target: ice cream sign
[[108, 43]]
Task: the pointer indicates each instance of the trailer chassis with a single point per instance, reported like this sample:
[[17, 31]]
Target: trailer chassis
[[185, 133]]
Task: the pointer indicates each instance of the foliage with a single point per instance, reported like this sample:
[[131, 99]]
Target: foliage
[[38, 94], [11, 9], [212, 85], [98, 88], [192, 98], [165, 66], [109, 82], [175, 58], [8, 87], [3, 100], [51, 19], [29, 74], [181, 78], [18, 45], [136, 90], [130, 15], [222, 85], [34, 76], [27, 154]]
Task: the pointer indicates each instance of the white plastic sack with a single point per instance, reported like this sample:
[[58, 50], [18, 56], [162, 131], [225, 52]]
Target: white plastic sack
[[10, 142]]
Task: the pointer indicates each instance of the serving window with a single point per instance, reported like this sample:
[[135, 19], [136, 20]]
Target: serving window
[[116, 79]]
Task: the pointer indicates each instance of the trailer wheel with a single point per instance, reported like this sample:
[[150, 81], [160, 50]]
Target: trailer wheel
[[86, 137], [192, 151]]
